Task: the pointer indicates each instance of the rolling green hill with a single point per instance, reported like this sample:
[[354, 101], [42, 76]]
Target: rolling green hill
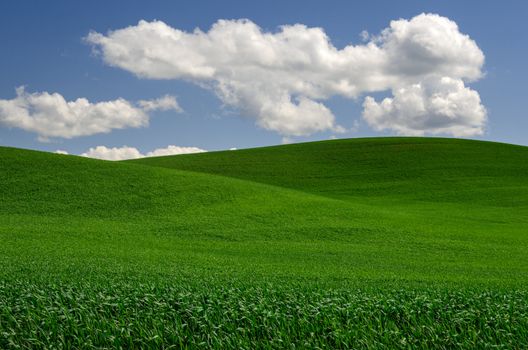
[[423, 169], [415, 221], [431, 196]]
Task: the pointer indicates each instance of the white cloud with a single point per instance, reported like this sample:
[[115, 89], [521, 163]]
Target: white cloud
[[435, 106], [282, 78], [125, 152], [364, 35], [173, 150], [114, 153], [287, 140], [50, 115], [164, 103], [428, 45], [59, 151]]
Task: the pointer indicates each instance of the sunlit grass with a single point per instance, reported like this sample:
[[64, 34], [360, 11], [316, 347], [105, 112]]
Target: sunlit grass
[[152, 314], [374, 243]]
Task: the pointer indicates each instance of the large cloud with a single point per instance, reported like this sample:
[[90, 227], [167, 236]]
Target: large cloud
[[125, 152], [282, 78], [50, 115]]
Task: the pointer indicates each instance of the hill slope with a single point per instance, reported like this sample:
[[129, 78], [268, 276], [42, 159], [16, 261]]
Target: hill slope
[[403, 209], [102, 215], [376, 243]]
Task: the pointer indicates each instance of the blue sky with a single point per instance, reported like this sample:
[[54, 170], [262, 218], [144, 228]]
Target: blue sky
[[44, 49]]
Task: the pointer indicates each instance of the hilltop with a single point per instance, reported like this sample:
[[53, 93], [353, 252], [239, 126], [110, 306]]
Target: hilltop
[[436, 169]]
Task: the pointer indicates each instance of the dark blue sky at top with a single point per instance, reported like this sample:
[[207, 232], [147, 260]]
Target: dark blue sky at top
[[42, 48]]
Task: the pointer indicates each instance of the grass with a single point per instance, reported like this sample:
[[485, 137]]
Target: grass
[[362, 243], [129, 314]]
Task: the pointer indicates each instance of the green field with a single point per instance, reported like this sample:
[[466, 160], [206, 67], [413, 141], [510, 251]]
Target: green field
[[359, 243]]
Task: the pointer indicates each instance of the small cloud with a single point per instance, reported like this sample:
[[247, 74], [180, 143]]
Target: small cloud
[[286, 140], [125, 152], [365, 36], [59, 151], [164, 103], [114, 153], [174, 150], [355, 126], [339, 129]]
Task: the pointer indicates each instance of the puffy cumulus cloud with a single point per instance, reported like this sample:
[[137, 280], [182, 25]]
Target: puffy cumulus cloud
[[282, 78], [50, 115], [429, 45], [60, 151], [434, 106], [125, 152]]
